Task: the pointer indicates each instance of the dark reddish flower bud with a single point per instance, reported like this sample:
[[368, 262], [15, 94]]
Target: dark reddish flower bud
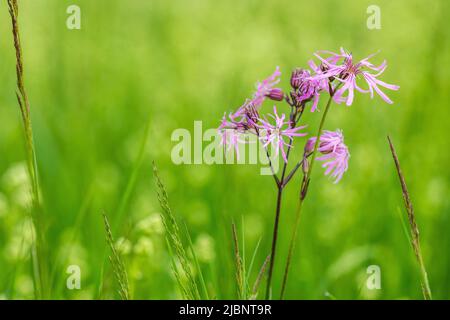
[[296, 78], [276, 94]]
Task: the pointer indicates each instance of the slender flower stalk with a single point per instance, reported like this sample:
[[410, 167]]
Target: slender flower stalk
[[307, 176], [24, 105], [274, 242], [414, 230], [303, 192], [297, 111]]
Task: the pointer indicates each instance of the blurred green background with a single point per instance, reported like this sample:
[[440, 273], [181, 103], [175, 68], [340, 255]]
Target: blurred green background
[[167, 63]]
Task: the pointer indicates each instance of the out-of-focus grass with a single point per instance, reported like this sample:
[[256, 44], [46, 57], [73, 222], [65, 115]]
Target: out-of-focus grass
[[93, 90]]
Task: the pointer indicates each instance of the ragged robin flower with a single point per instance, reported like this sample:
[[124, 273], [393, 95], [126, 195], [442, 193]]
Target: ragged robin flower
[[346, 71], [275, 134], [335, 154]]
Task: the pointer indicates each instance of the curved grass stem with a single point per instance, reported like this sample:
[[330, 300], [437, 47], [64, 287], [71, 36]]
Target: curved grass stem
[[39, 267]]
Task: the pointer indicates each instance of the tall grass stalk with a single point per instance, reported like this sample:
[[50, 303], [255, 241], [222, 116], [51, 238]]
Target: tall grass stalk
[[303, 192], [183, 273], [240, 268], [116, 263], [38, 249], [242, 276], [414, 230]]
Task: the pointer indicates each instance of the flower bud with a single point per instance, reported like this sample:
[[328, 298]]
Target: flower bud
[[297, 77], [276, 94], [309, 146], [305, 165]]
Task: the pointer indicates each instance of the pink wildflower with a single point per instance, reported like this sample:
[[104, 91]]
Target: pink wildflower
[[276, 133], [340, 66], [265, 88], [230, 131], [306, 87], [334, 152]]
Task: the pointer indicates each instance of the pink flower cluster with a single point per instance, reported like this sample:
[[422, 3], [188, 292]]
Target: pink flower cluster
[[247, 120], [338, 76], [307, 87]]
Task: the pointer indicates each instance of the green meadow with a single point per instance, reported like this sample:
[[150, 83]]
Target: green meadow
[[106, 99]]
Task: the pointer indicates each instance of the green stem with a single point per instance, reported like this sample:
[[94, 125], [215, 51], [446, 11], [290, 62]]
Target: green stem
[[303, 191], [291, 247], [316, 146], [281, 183]]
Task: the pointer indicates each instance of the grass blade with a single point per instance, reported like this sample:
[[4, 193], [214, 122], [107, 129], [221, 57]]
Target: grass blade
[[259, 278], [197, 265], [132, 179], [239, 265], [252, 261], [116, 263], [414, 230]]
